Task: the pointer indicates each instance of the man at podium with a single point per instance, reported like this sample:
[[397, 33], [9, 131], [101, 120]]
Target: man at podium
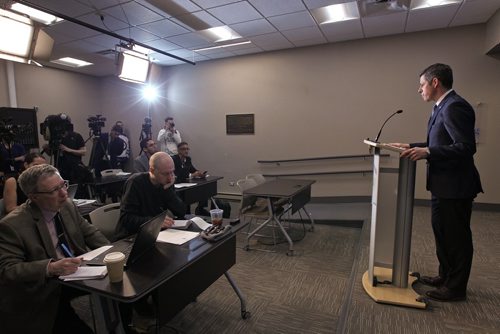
[[452, 179]]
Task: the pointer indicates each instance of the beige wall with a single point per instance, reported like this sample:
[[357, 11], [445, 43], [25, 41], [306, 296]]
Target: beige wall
[[324, 100], [308, 102]]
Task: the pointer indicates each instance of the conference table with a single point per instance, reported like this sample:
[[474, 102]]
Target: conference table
[[297, 193], [174, 274], [200, 189]]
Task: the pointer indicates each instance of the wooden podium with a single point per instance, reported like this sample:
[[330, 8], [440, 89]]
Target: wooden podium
[[395, 289]]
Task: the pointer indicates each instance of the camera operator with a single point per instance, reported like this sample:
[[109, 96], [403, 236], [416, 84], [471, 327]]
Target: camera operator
[[12, 154], [119, 150], [169, 137], [72, 150]]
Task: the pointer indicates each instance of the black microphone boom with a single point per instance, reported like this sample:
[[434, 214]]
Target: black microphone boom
[[388, 118]]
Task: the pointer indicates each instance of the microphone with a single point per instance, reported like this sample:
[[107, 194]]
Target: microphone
[[388, 118]]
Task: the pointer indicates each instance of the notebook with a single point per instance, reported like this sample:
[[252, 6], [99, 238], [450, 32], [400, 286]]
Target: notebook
[[135, 248]]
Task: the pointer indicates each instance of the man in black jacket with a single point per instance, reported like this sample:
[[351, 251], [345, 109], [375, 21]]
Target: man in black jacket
[[149, 194]]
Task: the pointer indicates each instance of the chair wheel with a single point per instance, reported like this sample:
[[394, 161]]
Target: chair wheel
[[290, 252], [245, 314], [247, 248]]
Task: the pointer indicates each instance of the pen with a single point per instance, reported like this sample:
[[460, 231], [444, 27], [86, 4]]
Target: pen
[[66, 250]]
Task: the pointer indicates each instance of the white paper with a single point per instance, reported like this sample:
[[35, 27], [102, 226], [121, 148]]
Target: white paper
[[182, 224], [122, 173], [201, 223], [176, 237], [184, 185], [80, 202], [86, 272], [93, 253]]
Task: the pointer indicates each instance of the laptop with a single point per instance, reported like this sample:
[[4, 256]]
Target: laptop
[[135, 248], [72, 188]]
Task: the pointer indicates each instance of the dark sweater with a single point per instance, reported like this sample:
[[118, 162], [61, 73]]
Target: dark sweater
[[142, 201]]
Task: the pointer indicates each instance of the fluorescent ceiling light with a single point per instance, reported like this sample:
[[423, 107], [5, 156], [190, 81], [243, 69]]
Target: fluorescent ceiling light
[[71, 62], [336, 13], [222, 46], [220, 34], [419, 4], [134, 67], [36, 14], [16, 36]]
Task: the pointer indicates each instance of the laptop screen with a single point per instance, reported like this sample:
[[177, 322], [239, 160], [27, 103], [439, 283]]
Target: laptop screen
[[72, 188]]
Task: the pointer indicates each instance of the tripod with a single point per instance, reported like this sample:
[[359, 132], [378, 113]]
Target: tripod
[[98, 155]]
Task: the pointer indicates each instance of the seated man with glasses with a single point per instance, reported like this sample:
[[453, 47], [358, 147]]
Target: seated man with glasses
[[39, 241], [149, 194], [184, 169]]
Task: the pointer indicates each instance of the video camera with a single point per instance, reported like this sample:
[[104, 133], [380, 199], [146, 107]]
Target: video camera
[[54, 127], [8, 130], [96, 123]]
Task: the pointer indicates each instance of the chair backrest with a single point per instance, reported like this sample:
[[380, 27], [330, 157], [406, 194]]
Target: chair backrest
[[106, 218], [107, 172], [258, 178], [248, 200], [2, 209]]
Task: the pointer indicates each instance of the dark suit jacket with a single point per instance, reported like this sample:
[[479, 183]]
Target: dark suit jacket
[[29, 299], [182, 170], [451, 172]]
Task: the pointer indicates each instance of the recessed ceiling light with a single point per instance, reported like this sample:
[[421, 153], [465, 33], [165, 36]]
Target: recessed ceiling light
[[71, 62], [336, 13], [36, 14], [418, 4], [220, 34], [222, 46]]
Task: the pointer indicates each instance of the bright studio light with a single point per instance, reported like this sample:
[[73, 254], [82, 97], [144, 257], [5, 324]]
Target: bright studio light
[[150, 93]]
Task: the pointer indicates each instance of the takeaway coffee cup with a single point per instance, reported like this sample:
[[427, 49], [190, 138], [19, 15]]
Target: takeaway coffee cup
[[114, 262], [216, 216]]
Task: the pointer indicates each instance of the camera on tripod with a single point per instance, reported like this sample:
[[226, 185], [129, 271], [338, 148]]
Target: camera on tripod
[[96, 123], [8, 130], [54, 127]]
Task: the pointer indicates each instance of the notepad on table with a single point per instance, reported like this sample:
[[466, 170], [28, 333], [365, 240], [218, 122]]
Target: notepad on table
[[86, 272], [184, 224], [176, 237], [183, 185]]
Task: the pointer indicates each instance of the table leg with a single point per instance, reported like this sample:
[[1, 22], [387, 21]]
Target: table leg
[[244, 313], [311, 229], [106, 315]]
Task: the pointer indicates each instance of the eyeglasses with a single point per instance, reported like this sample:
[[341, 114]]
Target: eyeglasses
[[63, 185]]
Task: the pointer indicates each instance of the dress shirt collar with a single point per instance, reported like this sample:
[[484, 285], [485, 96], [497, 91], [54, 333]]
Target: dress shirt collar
[[443, 96]]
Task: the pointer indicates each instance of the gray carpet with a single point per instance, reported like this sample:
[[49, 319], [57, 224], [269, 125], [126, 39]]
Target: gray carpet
[[319, 289]]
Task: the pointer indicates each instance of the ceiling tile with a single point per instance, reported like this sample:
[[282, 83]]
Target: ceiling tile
[[163, 45], [300, 34], [69, 8], [384, 24], [212, 3], [293, 21], [235, 13], [137, 34], [133, 13], [475, 11], [71, 29], [431, 18], [271, 40], [277, 7], [252, 28], [164, 28], [190, 40], [108, 22], [342, 31]]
